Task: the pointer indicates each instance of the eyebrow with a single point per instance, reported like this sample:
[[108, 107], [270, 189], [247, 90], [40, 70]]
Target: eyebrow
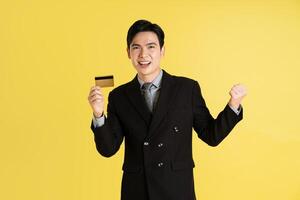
[[150, 43]]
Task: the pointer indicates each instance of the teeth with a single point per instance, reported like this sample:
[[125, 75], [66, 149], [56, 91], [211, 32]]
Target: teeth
[[144, 62]]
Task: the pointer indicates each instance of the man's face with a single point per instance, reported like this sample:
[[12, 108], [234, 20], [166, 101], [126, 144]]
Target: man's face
[[145, 54]]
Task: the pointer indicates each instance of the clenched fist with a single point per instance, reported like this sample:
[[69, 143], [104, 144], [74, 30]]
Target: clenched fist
[[96, 101], [237, 93]]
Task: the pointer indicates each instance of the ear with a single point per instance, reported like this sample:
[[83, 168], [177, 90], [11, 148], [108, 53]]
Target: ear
[[162, 51], [128, 53]]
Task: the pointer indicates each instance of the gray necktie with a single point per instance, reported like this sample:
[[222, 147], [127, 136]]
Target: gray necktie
[[147, 95]]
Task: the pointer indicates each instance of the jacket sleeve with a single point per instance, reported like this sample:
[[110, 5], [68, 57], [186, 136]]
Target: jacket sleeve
[[212, 131], [108, 137]]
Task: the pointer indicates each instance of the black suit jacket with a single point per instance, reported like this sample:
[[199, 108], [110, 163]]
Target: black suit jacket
[[158, 163]]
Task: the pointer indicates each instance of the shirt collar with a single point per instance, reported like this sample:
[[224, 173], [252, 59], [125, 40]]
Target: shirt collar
[[156, 82]]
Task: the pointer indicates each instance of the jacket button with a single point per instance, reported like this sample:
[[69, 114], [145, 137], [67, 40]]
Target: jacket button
[[160, 144], [146, 143], [160, 164], [176, 129]]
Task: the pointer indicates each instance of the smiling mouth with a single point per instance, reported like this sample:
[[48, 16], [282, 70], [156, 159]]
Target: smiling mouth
[[144, 63]]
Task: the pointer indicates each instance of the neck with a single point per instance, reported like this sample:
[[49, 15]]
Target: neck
[[150, 77]]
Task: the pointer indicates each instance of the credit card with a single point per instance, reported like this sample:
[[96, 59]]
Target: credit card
[[104, 81]]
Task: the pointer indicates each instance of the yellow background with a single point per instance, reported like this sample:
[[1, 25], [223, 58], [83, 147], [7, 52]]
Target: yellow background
[[51, 50]]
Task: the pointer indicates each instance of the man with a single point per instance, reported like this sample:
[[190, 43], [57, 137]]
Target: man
[[155, 114]]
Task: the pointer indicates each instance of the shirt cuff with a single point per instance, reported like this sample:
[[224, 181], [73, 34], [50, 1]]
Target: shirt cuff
[[98, 121], [237, 111]]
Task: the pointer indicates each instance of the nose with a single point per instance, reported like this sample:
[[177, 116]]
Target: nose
[[143, 53]]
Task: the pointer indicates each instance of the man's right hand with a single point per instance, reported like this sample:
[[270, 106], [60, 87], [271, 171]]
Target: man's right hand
[[96, 101]]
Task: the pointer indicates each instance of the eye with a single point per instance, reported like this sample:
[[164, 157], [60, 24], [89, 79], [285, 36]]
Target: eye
[[151, 47], [134, 47]]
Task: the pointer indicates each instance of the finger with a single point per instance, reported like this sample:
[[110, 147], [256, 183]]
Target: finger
[[239, 85], [93, 94], [236, 90], [95, 101], [93, 88], [234, 93], [95, 91], [236, 85], [241, 90], [242, 87], [96, 98]]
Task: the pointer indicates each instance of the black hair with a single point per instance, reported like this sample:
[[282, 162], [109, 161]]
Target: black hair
[[143, 26]]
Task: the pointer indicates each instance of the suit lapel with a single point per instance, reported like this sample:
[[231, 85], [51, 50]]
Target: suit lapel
[[167, 93], [134, 94]]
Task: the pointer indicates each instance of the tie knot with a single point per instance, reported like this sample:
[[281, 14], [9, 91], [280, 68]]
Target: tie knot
[[147, 86]]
